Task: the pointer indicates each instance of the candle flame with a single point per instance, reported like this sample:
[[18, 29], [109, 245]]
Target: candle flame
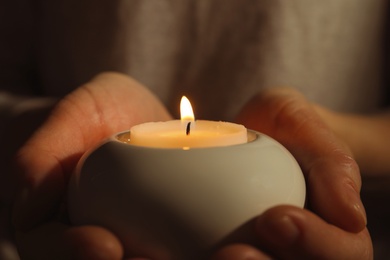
[[186, 112]]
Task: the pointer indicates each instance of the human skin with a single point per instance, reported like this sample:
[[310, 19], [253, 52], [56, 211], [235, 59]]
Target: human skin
[[334, 220], [108, 104], [366, 135]]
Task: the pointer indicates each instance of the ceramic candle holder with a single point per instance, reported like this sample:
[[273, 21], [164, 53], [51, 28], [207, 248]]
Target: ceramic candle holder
[[182, 203]]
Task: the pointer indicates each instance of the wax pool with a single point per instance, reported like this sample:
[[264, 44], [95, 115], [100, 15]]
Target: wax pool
[[187, 134]]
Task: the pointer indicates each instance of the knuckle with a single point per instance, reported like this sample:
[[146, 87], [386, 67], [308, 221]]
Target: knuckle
[[351, 170]]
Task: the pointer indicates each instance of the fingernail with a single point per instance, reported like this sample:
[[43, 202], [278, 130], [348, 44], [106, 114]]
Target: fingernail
[[358, 205], [280, 230], [359, 208], [364, 214]]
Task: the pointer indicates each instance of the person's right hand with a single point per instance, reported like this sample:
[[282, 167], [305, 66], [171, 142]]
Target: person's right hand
[[108, 104]]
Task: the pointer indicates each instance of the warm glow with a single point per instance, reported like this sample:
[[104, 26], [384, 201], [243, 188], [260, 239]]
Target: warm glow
[[186, 112]]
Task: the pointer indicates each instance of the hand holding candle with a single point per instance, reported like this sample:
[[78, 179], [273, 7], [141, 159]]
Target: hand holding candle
[[182, 194], [46, 160]]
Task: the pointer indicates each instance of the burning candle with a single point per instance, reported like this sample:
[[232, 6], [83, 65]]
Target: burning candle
[[187, 133], [181, 203]]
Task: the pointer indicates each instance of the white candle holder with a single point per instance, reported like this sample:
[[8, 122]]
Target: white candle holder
[[177, 203]]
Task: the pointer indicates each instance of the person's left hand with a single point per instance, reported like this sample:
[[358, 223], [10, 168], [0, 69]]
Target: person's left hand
[[334, 224]]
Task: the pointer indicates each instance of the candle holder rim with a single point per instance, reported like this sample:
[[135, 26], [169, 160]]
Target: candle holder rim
[[121, 138]]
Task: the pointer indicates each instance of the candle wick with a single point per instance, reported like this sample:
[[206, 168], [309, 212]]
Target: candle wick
[[188, 129]]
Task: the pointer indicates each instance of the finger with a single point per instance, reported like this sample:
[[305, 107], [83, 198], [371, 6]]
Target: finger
[[239, 252], [333, 193], [58, 241], [108, 104], [292, 233], [333, 178]]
